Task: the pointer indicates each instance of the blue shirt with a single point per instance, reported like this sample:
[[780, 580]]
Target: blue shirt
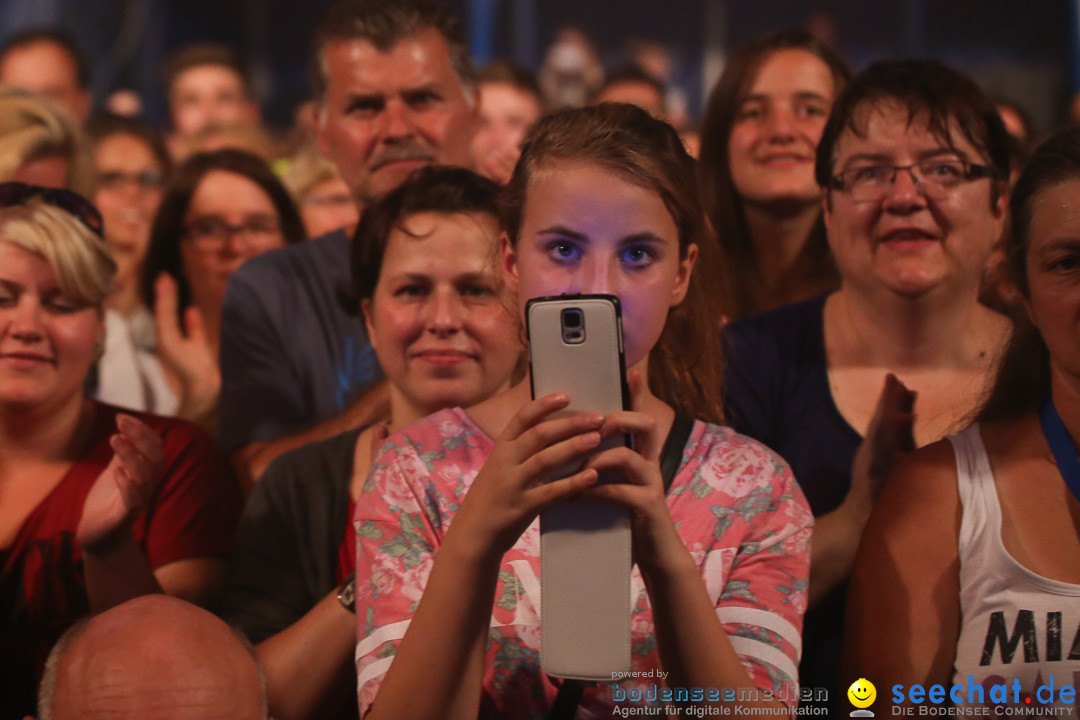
[[291, 356]]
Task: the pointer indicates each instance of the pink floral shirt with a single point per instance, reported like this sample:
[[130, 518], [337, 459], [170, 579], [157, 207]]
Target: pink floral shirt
[[734, 502]]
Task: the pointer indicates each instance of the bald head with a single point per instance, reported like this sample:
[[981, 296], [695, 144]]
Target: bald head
[[152, 658]]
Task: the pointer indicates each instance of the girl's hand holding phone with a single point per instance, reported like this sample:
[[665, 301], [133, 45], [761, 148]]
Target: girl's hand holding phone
[[512, 488], [654, 535]]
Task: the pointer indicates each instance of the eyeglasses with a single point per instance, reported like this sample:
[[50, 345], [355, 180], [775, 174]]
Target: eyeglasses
[[935, 178], [211, 232], [17, 193], [115, 179]]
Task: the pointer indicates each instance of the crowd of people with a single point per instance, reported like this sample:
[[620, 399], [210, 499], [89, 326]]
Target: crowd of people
[[282, 384]]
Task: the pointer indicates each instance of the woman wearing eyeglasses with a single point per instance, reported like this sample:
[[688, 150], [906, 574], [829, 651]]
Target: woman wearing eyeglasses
[[96, 506], [130, 162], [220, 209], [973, 552], [914, 161]]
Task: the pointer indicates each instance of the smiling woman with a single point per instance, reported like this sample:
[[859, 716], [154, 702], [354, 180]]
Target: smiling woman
[[913, 160], [975, 539], [425, 279], [422, 301], [758, 142], [97, 506]]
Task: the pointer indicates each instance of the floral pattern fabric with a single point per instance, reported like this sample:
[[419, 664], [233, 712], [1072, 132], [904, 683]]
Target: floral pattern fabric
[[735, 505]]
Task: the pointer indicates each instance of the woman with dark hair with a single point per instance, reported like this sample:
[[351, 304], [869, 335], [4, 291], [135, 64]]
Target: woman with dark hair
[[974, 543], [762, 125], [220, 209], [602, 200], [130, 165], [914, 162], [426, 282]]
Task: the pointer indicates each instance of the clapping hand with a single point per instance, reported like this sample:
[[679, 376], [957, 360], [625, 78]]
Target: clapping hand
[[123, 489], [889, 437]]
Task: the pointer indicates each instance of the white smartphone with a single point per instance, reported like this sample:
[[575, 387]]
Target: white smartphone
[[575, 346]]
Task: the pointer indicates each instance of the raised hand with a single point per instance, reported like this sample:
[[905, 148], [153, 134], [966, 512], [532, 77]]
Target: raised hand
[[186, 351], [512, 488], [123, 488], [889, 437]]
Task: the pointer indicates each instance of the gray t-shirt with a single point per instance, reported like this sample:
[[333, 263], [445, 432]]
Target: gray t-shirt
[[291, 356]]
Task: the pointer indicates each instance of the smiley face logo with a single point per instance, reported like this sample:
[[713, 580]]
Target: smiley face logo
[[862, 693]]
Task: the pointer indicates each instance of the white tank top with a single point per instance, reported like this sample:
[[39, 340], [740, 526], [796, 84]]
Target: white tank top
[[1014, 624]]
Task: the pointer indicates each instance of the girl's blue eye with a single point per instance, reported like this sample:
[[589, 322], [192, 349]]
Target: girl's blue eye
[[637, 255], [564, 250]]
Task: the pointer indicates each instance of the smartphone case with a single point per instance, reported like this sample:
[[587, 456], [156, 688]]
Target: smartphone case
[[584, 547]]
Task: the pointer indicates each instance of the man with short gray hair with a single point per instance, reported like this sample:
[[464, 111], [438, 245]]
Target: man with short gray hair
[[394, 91]]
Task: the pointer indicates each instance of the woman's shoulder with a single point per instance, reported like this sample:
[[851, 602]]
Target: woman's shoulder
[[321, 455], [749, 489], [727, 459], [922, 487], [290, 474], [448, 422], [762, 349], [448, 435]]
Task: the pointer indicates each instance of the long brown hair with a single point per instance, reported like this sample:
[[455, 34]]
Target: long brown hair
[[741, 275], [685, 364]]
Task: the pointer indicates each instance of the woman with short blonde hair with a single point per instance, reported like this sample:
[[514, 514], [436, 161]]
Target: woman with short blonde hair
[[99, 506]]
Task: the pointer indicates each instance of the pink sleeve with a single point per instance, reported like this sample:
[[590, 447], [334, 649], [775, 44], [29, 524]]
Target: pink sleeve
[[763, 599], [396, 545]]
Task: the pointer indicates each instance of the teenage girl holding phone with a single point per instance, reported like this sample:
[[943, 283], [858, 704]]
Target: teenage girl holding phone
[[603, 200]]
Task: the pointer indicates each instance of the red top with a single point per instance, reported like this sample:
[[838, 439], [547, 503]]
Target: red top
[[193, 513]]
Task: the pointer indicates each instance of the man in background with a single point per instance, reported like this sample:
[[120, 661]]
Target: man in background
[[50, 63], [394, 91], [207, 88]]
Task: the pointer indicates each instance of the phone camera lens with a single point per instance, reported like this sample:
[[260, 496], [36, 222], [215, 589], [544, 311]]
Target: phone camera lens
[[572, 318]]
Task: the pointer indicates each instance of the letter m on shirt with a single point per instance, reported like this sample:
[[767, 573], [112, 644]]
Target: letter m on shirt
[[996, 634]]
